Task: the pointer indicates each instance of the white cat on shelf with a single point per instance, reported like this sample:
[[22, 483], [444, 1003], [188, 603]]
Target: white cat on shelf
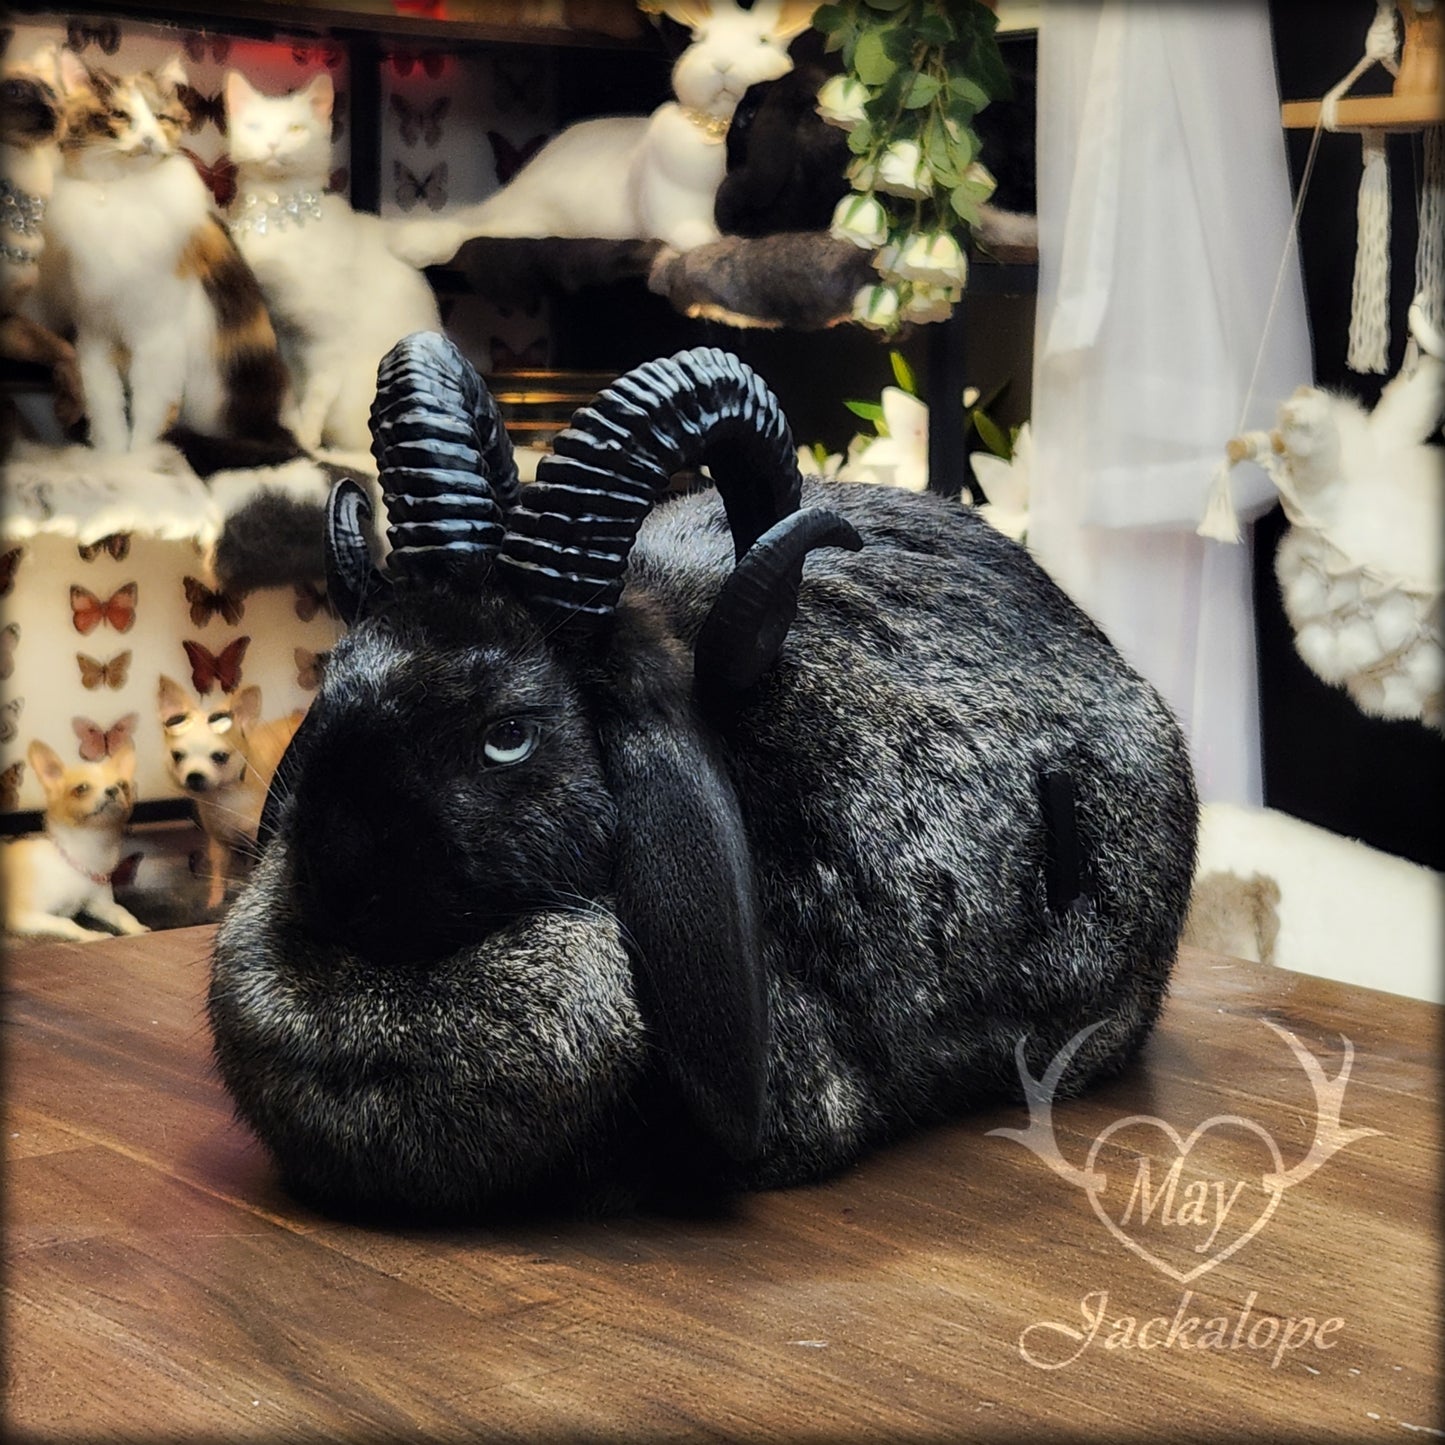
[[339, 297], [169, 321], [638, 177]]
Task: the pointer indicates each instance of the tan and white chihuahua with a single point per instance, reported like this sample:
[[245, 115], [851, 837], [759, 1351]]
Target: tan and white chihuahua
[[224, 757], [51, 877]]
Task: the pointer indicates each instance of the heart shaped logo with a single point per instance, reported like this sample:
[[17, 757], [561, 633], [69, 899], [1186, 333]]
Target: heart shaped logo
[[1184, 1209], [1170, 1205]]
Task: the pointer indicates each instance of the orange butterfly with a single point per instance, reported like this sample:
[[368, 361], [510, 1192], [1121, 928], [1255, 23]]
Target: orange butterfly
[[205, 603], [209, 668], [94, 673], [117, 544], [10, 786], [97, 742], [118, 610]]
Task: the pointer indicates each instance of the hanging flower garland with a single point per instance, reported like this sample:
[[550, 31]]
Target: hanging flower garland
[[917, 72]]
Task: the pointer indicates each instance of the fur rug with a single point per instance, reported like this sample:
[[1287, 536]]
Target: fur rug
[[1280, 891]]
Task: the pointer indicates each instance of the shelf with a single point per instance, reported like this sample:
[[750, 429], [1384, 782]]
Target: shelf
[[611, 24], [1369, 112]]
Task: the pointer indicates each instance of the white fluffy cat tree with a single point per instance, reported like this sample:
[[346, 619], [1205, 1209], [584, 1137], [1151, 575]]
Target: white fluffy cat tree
[[1360, 569]]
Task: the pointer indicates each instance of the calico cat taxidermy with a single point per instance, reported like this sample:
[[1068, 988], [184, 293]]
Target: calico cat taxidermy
[[170, 325], [339, 297], [640, 177]]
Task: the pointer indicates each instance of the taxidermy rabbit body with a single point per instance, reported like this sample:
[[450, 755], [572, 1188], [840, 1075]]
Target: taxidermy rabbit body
[[340, 298], [651, 893], [636, 177], [169, 323]]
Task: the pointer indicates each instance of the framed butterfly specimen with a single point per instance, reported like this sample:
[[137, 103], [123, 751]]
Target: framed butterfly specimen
[[9, 637], [198, 44], [87, 611], [219, 176], [10, 719], [96, 674], [9, 565], [201, 109], [206, 604], [209, 669], [509, 158], [117, 544], [410, 188], [10, 781], [102, 33], [97, 742], [310, 666], [420, 121]]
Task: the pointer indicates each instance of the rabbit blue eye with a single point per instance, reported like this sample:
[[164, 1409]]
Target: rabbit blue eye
[[509, 741]]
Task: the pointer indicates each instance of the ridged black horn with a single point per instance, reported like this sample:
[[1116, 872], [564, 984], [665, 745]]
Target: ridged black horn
[[568, 540], [750, 618], [353, 581], [446, 469]]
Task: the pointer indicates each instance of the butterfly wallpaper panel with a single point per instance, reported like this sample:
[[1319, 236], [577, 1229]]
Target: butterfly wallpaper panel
[[76, 679]]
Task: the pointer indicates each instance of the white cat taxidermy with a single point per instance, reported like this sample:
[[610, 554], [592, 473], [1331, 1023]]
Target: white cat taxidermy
[[638, 178], [339, 297], [53, 876], [169, 323]]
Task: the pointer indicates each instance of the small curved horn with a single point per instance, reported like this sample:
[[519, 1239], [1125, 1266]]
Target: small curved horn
[[568, 540], [445, 461], [353, 581], [750, 617]]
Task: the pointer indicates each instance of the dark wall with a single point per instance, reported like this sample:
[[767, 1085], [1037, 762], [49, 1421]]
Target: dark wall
[[1325, 760]]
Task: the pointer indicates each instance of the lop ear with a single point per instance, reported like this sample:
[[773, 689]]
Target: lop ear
[[685, 897]]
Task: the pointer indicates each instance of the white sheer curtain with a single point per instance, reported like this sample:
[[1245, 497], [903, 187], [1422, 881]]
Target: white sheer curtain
[[1164, 208]]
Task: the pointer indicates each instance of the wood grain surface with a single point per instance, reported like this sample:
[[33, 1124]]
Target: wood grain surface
[[160, 1287]]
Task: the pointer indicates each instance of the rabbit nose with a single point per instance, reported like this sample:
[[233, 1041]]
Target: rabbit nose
[[722, 66]]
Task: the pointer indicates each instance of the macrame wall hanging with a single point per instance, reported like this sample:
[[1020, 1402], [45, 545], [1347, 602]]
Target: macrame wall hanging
[[1360, 569]]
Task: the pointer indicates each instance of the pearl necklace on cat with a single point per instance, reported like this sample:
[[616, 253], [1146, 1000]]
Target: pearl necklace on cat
[[263, 211]]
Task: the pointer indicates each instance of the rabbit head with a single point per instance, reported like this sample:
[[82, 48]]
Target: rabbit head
[[505, 917], [731, 48]]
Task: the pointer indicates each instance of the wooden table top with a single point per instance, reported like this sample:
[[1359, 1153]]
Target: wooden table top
[[160, 1286]]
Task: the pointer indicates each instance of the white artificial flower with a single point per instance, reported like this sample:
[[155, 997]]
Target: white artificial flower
[[979, 175], [899, 459], [861, 174], [876, 306], [861, 220], [925, 303], [841, 101], [885, 259], [1006, 484], [903, 171], [933, 257], [809, 465]]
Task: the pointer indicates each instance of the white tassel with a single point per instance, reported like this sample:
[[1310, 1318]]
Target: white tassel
[[1430, 247], [1220, 522], [1370, 301]]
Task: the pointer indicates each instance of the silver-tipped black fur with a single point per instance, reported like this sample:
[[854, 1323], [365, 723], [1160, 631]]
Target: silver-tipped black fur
[[629, 855]]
